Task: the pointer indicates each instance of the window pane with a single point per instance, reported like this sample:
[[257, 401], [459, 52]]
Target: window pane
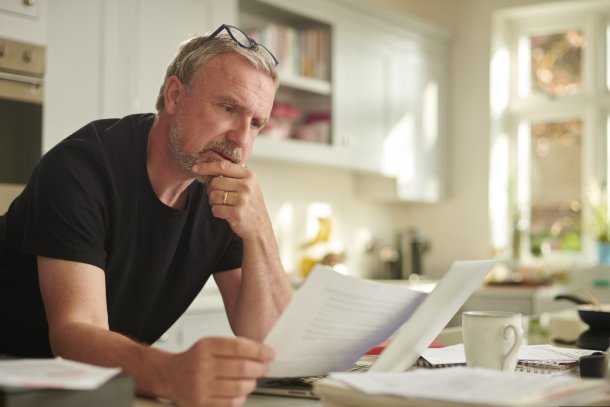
[[556, 189], [556, 62]]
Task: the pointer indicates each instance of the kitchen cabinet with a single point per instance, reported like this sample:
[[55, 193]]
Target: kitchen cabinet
[[301, 36], [111, 60], [360, 124], [388, 102], [24, 20], [412, 150]]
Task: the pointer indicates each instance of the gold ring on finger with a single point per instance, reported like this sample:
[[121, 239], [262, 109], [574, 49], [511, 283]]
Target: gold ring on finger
[[225, 195]]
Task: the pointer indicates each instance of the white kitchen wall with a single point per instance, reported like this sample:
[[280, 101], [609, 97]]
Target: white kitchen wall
[[289, 189]]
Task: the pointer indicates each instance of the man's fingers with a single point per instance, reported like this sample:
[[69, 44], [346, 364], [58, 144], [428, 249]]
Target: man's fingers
[[237, 347], [232, 387], [216, 168], [233, 368]]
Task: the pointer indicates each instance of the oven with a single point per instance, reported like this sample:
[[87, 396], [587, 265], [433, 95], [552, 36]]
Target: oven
[[21, 101]]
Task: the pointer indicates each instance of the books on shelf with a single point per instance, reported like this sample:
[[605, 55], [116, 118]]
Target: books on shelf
[[300, 52], [538, 359]]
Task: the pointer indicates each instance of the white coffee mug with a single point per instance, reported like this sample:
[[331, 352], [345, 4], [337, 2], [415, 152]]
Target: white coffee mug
[[492, 339]]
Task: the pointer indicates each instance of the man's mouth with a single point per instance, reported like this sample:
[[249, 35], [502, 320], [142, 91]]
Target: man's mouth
[[220, 156], [216, 156]]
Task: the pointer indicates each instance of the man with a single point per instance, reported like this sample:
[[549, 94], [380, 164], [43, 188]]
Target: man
[[123, 222]]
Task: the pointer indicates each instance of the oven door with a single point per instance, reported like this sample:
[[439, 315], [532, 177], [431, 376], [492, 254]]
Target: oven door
[[20, 129]]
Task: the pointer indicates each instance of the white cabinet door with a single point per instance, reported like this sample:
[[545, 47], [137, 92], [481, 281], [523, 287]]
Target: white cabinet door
[[24, 20], [74, 68], [142, 38], [361, 88], [414, 147], [110, 59]]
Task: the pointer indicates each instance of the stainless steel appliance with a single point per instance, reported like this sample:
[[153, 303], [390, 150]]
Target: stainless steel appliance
[[21, 98]]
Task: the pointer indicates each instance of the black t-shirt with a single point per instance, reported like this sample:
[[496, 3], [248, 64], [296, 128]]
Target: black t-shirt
[[90, 200]]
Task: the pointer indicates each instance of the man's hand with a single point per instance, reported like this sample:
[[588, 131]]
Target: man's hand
[[235, 195], [217, 372]]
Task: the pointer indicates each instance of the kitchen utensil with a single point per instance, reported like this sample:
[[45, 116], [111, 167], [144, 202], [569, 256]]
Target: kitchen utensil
[[593, 300], [596, 316]]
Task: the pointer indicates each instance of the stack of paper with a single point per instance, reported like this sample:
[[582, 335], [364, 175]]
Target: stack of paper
[[458, 385]]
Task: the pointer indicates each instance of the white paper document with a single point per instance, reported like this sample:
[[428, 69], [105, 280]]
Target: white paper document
[[333, 320], [476, 386], [55, 373]]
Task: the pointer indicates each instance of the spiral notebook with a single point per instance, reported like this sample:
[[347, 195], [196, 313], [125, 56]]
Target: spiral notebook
[[537, 359]]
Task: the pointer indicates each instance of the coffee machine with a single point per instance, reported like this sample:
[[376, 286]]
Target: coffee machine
[[412, 246]]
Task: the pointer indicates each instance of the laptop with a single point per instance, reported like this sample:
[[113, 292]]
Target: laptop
[[411, 339]]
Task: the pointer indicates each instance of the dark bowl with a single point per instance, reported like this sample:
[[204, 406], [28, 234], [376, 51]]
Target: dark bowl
[[597, 319]]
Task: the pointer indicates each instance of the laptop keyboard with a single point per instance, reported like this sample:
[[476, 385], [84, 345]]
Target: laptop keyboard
[[306, 382]]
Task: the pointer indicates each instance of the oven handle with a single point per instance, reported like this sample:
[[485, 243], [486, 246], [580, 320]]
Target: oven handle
[[21, 78]]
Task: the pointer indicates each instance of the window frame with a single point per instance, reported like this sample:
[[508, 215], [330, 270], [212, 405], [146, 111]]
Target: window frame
[[511, 109]]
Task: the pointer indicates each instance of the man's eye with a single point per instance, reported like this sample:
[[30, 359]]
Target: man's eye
[[257, 124], [228, 108]]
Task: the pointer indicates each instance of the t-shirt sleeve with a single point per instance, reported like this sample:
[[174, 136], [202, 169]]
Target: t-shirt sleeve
[[66, 217], [232, 256]]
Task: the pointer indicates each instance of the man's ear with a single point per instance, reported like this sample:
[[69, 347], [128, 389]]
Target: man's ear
[[173, 90]]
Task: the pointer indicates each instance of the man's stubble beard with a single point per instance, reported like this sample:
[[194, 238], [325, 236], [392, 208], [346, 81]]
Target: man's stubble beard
[[186, 160]]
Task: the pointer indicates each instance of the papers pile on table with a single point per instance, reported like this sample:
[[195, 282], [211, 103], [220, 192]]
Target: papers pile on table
[[460, 385]]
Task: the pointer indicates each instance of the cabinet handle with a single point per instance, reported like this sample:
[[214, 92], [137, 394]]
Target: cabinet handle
[[27, 56], [29, 3]]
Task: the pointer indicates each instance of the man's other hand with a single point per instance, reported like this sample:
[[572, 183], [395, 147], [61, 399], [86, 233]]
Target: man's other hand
[[217, 372]]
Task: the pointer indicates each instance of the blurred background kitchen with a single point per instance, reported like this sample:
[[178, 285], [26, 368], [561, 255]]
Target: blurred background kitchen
[[407, 134]]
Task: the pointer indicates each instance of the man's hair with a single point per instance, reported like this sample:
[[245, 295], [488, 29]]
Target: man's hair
[[199, 50]]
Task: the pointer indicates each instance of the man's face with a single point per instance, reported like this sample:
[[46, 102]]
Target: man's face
[[218, 118]]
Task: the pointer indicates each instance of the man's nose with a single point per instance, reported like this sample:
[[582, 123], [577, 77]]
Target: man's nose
[[240, 133]]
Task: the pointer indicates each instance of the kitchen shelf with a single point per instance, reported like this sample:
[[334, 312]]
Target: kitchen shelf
[[307, 84], [302, 45]]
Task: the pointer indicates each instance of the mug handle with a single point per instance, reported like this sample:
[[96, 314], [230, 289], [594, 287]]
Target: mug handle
[[518, 340]]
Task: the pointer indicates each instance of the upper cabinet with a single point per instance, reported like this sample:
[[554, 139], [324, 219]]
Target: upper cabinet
[[24, 20], [302, 40], [385, 94]]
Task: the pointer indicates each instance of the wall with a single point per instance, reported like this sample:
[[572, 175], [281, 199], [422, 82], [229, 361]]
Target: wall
[[294, 187]]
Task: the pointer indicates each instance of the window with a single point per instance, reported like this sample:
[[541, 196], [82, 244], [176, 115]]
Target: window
[[550, 108]]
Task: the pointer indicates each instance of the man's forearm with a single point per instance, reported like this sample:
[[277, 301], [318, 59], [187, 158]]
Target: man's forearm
[[91, 344], [265, 289]]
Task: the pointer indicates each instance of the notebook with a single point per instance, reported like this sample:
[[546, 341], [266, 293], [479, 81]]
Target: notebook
[[538, 359], [411, 339]]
